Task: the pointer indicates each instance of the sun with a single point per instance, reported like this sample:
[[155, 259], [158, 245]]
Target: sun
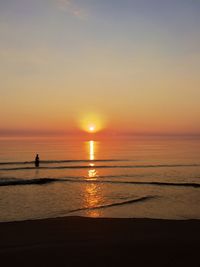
[[92, 128], [92, 123]]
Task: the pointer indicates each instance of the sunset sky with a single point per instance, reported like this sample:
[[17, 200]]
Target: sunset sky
[[126, 66]]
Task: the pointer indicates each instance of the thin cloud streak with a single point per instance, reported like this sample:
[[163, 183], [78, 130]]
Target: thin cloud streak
[[70, 7]]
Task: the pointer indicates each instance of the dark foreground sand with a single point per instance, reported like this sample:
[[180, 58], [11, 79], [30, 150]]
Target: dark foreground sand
[[76, 241]]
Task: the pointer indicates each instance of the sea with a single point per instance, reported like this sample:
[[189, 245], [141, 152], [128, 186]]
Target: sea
[[120, 177]]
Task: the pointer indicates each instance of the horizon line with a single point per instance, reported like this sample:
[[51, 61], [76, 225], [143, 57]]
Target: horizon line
[[77, 134]]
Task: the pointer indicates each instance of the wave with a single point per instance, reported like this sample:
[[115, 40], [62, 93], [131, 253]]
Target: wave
[[196, 185], [60, 161], [39, 181], [42, 181], [114, 204], [102, 167]]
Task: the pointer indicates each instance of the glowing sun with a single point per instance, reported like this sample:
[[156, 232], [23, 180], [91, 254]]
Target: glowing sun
[[92, 123], [92, 128]]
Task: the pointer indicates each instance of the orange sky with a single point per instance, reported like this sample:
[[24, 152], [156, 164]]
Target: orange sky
[[126, 66]]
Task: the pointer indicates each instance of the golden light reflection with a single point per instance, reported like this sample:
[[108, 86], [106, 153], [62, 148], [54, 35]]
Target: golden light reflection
[[93, 198], [91, 143], [93, 194], [92, 173]]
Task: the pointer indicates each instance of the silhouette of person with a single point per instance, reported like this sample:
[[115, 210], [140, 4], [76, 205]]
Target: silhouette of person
[[37, 161]]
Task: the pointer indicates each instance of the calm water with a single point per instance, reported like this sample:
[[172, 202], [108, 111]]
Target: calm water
[[139, 177]]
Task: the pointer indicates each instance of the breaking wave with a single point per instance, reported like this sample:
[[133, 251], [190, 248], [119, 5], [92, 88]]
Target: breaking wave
[[60, 161], [141, 199], [42, 181], [102, 166]]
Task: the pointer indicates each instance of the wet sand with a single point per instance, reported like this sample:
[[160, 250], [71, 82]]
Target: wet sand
[[79, 241]]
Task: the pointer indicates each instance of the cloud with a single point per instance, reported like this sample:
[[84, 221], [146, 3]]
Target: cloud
[[70, 7]]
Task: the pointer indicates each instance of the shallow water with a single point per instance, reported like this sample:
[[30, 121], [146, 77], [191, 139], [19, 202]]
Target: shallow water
[[134, 177]]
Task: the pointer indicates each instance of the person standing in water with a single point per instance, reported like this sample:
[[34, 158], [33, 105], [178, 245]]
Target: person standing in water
[[37, 161]]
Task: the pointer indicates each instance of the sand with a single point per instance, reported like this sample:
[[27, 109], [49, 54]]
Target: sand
[[79, 241]]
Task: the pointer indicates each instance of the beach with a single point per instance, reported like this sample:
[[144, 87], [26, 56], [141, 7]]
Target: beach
[[76, 241]]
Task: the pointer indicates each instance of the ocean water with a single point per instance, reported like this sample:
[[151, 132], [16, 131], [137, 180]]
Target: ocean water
[[140, 177]]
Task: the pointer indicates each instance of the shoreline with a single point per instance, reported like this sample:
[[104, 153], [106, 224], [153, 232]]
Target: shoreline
[[75, 241], [66, 217]]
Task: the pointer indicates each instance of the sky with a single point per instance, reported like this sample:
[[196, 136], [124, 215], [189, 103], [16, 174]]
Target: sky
[[126, 66]]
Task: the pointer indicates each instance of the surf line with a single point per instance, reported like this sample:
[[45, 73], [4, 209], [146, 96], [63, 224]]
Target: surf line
[[115, 204]]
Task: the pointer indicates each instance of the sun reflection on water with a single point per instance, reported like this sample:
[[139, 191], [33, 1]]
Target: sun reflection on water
[[91, 143], [92, 197], [92, 173]]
